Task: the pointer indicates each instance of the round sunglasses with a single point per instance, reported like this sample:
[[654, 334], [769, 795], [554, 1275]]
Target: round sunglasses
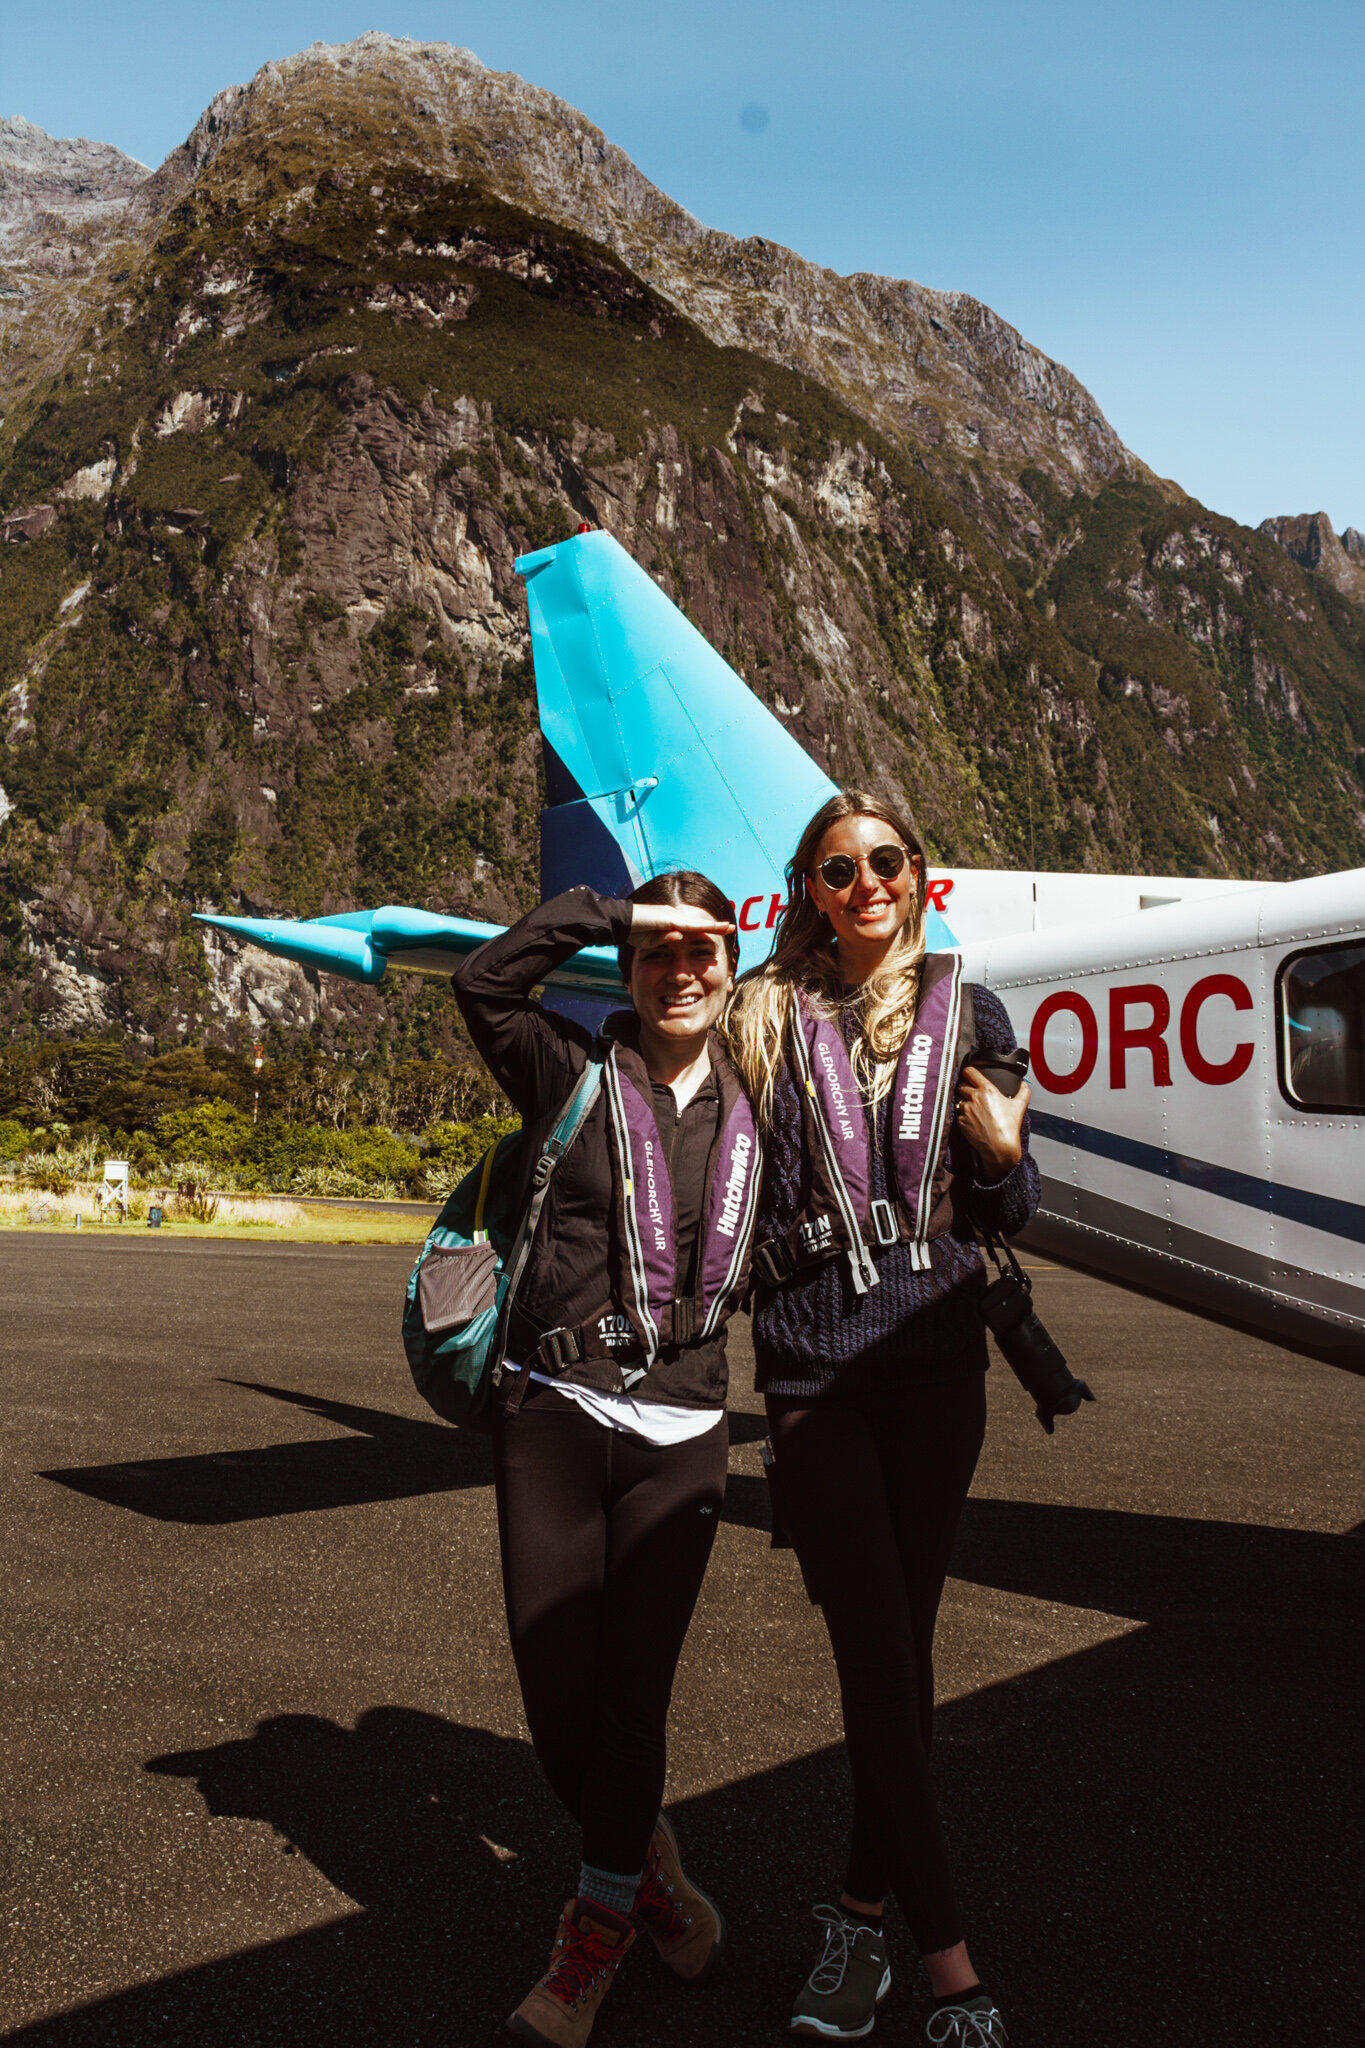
[[885, 862]]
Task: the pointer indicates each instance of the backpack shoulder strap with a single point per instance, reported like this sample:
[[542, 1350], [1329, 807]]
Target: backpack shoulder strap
[[570, 1122], [479, 1234]]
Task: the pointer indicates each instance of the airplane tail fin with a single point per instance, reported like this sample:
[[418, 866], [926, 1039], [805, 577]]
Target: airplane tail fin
[[657, 754]]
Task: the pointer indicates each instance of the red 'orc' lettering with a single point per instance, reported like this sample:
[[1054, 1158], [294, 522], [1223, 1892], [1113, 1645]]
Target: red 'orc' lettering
[[1147, 1035], [1054, 1006], [1125, 1037], [938, 892], [1216, 1074]]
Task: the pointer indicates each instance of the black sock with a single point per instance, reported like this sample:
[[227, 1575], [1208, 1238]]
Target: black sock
[[975, 1995]]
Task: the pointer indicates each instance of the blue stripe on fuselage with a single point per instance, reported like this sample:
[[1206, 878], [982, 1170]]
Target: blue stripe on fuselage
[[1319, 1212]]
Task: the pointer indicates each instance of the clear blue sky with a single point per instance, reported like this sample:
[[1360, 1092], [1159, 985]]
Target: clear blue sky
[[1169, 196]]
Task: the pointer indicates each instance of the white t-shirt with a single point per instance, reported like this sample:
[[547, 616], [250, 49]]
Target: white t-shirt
[[655, 1421]]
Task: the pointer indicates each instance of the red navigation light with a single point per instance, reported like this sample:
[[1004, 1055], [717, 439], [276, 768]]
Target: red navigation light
[[584, 526]]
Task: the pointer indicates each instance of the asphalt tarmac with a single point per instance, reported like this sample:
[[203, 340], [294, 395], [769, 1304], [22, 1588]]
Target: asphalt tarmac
[[266, 1779]]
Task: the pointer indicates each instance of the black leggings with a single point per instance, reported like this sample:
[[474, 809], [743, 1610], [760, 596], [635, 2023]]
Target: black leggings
[[872, 1491], [605, 1541]]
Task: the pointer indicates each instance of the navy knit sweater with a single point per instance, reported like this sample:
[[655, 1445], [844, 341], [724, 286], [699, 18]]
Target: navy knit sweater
[[815, 1338]]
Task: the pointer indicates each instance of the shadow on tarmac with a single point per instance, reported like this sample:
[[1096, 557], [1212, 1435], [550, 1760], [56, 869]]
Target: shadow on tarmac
[[389, 1457], [1153, 1837]]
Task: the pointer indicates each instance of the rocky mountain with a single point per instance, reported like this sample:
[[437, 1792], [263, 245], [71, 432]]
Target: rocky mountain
[[389, 318], [937, 366], [1312, 542], [50, 190], [63, 206]]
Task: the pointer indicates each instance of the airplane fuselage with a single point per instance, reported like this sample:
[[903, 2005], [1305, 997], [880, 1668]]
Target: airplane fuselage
[[1198, 1077]]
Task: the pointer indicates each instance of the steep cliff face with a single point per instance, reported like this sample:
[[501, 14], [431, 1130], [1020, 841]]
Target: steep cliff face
[[64, 208], [50, 189], [1311, 540], [261, 644], [977, 399]]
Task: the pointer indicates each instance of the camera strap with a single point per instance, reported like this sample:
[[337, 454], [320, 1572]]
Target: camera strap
[[993, 1246]]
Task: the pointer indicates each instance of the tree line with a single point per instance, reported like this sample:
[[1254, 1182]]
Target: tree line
[[203, 1114]]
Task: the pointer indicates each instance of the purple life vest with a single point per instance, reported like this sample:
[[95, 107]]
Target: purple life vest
[[650, 1285], [841, 1217]]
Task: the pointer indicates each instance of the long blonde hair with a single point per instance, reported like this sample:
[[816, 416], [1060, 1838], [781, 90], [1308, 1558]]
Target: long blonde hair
[[803, 957]]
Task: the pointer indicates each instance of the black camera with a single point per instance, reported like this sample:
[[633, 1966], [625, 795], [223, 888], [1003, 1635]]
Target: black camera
[[1006, 1071], [1007, 1304], [1031, 1354]]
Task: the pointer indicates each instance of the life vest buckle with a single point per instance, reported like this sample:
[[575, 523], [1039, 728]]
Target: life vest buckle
[[684, 1319], [560, 1348], [772, 1263], [882, 1217]]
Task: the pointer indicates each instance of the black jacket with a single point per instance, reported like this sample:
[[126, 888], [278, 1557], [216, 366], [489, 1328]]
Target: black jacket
[[536, 1057]]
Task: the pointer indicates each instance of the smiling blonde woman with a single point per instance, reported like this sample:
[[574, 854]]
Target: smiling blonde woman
[[883, 1148]]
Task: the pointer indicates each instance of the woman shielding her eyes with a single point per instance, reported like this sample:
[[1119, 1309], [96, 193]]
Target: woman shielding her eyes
[[881, 1147], [609, 1439]]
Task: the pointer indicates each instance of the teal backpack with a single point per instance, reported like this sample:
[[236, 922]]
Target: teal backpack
[[460, 1292]]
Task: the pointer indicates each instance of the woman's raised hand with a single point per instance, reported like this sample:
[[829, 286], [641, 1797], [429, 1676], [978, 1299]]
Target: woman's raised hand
[[648, 920], [991, 1122]]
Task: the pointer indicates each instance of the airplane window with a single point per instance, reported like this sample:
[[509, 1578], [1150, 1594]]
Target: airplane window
[[1322, 1027]]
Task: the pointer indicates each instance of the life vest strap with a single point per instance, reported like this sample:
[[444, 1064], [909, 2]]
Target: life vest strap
[[813, 1240], [572, 1343]]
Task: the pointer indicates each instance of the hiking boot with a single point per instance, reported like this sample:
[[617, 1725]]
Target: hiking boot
[[839, 1999], [684, 1925], [971, 2021], [589, 1947]]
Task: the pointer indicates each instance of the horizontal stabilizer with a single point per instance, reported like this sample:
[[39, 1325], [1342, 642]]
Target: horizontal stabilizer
[[331, 948], [363, 944]]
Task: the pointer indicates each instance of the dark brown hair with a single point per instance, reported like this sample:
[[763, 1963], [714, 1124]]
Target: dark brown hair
[[683, 885]]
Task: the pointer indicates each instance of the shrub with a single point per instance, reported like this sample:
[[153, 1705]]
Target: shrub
[[48, 1176], [341, 1182], [14, 1139], [210, 1130], [374, 1155], [279, 1154], [193, 1203], [449, 1150]]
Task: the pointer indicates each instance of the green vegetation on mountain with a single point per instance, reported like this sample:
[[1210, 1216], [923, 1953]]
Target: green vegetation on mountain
[[269, 654]]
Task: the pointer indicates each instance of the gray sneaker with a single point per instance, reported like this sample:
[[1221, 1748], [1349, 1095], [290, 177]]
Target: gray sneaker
[[972, 2023], [839, 1999]]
